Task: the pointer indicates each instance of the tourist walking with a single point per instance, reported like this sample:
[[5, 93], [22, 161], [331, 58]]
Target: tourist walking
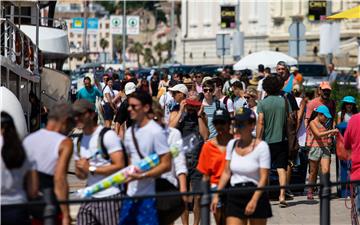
[[247, 165], [52, 158], [97, 154], [143, 138], [212, 157], [318, 141], [16, 170]]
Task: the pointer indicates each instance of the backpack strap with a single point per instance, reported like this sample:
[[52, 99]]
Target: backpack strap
[[217, 104], [101, 144], [225, 101], [78, 144], [135, 141]]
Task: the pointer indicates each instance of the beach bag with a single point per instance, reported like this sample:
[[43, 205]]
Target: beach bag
[[341, 152]]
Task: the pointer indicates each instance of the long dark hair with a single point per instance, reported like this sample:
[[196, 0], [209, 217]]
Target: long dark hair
[[343, 110], [312, 117], [12, 152]]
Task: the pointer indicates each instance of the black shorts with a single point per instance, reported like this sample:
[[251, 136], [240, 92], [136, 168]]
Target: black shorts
[[236, 203], [279, 155], [108, 112]]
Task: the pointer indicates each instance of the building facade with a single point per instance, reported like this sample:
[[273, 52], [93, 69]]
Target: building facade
[[265, 26]]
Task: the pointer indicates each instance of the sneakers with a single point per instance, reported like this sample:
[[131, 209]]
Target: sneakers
[[310, 195]]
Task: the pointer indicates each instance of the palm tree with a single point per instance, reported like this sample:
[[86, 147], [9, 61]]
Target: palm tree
[[118, 46], [137, 49], [104, 44], [159, 49], [148, 57]]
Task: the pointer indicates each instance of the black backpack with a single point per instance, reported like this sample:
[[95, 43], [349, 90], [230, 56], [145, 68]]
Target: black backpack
[[104, 151]]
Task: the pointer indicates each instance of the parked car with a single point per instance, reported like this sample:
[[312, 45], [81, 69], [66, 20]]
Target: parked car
[[313, 74]]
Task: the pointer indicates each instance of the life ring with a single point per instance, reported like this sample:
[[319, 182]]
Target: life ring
[[26, 53], [18, 48], [41, 61], [31, 58]]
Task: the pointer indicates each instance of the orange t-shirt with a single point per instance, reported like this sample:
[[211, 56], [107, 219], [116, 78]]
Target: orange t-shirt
[[211, 162]]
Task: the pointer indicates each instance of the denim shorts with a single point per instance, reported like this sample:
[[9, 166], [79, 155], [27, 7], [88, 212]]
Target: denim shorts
[[317, 153]]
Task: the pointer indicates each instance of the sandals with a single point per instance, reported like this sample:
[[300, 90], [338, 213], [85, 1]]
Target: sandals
[[310, 195], [283, 204]]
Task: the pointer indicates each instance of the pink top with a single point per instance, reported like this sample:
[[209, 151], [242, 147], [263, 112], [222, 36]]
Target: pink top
[[310, 107], [352, 141], [314, 141]]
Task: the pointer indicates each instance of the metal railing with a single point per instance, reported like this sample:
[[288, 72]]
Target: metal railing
[[44, 21], [205, 193], [16, 46]]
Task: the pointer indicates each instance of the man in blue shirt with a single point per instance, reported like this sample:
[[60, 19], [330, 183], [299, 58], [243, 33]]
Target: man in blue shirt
[[88, 92]]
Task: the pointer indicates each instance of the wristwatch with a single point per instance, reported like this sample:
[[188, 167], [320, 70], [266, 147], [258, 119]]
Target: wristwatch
[[92, 169]]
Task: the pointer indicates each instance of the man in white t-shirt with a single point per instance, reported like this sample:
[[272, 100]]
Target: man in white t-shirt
[[261, 92], [143, 138], [97, 154], [225, 101]]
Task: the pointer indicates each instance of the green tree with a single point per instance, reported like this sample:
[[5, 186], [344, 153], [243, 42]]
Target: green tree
[[148, 57], [167, 47], [159, 48], [104, 44], [117, 42], [137, 49]]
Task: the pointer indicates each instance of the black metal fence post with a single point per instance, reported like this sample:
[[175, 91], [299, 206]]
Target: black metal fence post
[[50, 207], [205, 203], [325, 194]]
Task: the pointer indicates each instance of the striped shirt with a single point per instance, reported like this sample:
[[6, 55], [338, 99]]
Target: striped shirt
[[209, 110], [314, 141]]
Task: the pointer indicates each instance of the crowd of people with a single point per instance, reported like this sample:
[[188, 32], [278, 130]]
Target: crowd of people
[[249, 124]]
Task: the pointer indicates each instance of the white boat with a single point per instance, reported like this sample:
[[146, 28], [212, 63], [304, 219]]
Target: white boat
[[33, 51]]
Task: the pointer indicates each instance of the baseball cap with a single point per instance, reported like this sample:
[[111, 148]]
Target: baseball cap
[[293, 69], [324, 110], [180, 88], [221, 115], [349, 99], [243, 114], [325, 85], [82, 106], [130, 88], [205, 79]]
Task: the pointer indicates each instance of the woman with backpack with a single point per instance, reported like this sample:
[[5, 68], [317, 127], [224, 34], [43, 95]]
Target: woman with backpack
[[247, 165], [109, 106], [319, 142], [212, 156]]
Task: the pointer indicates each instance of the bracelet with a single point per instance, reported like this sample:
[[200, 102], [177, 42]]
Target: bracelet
[[143, 175]]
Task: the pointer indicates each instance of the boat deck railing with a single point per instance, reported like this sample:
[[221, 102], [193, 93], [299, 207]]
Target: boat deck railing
[[43, 21], [17, 47]]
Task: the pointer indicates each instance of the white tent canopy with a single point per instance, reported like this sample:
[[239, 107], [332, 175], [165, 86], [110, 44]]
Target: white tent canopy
[[267, 58]]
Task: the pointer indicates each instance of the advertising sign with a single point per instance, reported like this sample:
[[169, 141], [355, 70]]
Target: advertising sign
[[92, 25], [228, 17], [317, 10], [77, 24]]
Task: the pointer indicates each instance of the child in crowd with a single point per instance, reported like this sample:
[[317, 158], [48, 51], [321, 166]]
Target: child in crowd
[[319, 142]]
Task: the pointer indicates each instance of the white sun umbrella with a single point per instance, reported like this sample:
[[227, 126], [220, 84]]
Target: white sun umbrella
[[267, 58]]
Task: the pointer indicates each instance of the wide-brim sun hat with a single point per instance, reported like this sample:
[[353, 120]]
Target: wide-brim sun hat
[[349, 99], [324, 110]]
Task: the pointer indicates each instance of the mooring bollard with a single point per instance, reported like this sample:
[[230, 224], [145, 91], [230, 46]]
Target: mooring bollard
[[205, 203], [50, 207], [325, 195]]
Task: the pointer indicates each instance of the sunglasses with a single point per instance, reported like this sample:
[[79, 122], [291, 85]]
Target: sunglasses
[[205, 90], [133, 106], [198, 76]]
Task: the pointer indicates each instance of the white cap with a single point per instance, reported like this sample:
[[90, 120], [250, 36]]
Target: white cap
[[180, 88], [130, 87], [152, 72], [205, 79]]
